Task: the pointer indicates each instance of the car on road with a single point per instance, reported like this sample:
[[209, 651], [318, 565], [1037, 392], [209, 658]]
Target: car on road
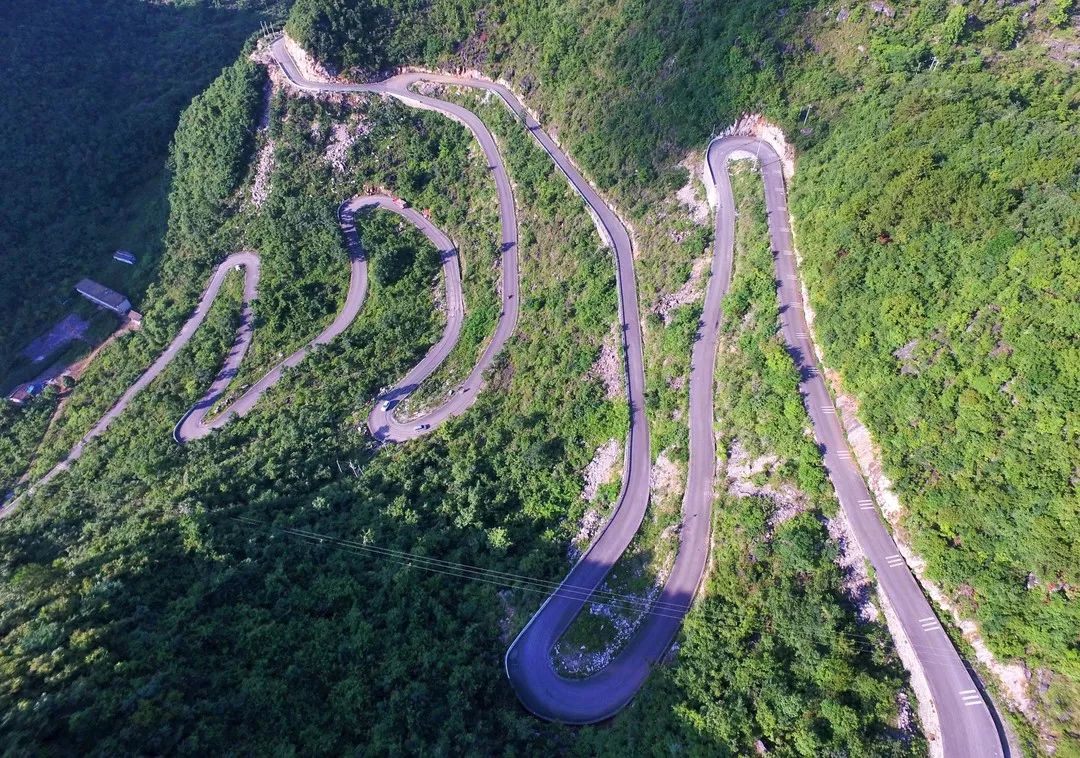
[[387, 404], [421, 427]]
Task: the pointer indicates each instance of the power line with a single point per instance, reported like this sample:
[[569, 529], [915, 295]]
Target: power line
[[465, 571], [509, 577], [659, 609]]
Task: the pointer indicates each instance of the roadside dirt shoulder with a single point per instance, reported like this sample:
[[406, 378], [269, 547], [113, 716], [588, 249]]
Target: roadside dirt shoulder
[[1012, 678]]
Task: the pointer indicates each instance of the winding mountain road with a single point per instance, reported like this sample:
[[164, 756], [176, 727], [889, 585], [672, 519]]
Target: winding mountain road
[[968, 723], [382, 422], [969, 726], [528, 660], [195, 424], [246, 260]]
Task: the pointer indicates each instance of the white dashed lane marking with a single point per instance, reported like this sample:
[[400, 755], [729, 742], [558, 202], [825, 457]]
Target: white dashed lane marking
[[894, 560], [971, 697]]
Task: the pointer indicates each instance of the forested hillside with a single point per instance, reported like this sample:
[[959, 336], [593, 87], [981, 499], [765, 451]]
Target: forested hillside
[[94, 88], [141, 616], [935, 204]]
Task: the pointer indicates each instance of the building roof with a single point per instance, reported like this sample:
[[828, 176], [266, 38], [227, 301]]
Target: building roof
[[101, 293], [24, 392]]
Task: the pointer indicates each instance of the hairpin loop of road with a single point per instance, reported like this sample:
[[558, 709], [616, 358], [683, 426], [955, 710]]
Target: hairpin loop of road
[[969, 725]]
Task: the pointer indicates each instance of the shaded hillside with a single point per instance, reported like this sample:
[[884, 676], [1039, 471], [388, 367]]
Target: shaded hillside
[[936, 207], [141, 617], [94, 91]]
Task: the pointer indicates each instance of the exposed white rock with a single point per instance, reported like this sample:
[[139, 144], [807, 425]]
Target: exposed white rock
[[260, 187], [342, 137], [884, 8], [590, 524], [858, 587], [600, 471], [691, 291], [665, 477], [601, 468], [741, 473], [264, 167], [624, 617], [608, 367], [906, 722], [697, 204], [309, 67], [756, 125]]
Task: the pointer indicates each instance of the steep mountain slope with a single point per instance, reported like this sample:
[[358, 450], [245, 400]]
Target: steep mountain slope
[[94, 91], [140, 617], [935, 206]]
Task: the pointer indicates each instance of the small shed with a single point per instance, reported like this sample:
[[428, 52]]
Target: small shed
[[100, 295], [22, 394], [124, 256]]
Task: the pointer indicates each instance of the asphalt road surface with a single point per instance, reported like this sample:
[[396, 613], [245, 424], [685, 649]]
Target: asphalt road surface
[[528, 660], [382, 422], [246, 260], [195, 424], [969, 726]]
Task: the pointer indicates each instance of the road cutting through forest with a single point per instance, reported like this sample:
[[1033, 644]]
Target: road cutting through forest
[[969, 725]]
